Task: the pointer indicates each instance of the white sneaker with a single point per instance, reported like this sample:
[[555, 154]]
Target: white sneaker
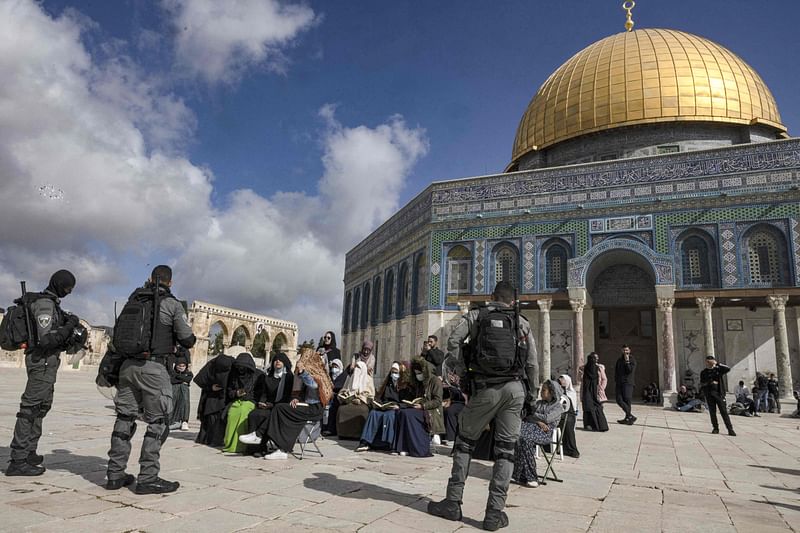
[[185, 426], [403, 454], [276, 456], [532, 484], [250, 438], [175, 426], [362, 449], [436, 440]]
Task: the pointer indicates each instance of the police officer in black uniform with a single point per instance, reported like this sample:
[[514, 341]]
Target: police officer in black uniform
[[711, 385], [144, 386], [54, 331]]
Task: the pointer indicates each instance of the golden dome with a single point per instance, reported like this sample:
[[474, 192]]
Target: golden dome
[[642, 77]]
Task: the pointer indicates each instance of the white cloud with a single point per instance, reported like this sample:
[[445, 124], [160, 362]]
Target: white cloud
[[107, 139], [218, 40], [285, 254]]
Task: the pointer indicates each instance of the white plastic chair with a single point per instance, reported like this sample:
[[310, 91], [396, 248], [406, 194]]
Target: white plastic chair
[[556, 441]]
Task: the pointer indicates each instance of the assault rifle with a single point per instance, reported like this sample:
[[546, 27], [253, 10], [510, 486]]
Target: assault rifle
[[156, 313], [33, 331]]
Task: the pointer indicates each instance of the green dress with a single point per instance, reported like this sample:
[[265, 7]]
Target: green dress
[[237, 425]]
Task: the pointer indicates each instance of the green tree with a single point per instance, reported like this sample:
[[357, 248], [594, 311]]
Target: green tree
[[239, 337], [217, 345], [260, 344]]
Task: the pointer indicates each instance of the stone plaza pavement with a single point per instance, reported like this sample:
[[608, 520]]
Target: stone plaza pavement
[[666, 473]]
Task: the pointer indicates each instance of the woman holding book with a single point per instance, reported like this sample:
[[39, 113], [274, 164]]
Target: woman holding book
[[422, 416], [379, 431], [287, 420], [272, 388]]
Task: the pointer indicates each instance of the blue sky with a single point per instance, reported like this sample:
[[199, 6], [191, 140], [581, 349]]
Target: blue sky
[[318, 108]]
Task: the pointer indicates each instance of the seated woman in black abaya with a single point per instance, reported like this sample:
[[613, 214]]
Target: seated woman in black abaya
[[422, 419], [272, 388], [379, 431], [213, 382], [287, 420]]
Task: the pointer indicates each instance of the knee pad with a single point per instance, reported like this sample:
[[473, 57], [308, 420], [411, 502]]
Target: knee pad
[[465, 445], [127, 427], [155, 435], [44, 409], [504, 450]]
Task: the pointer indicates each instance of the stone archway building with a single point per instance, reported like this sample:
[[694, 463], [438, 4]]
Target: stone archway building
[[204, 316]]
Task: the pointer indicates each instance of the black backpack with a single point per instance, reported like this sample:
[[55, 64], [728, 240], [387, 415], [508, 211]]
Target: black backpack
[[495, 352], [14, 328], [133, 330]]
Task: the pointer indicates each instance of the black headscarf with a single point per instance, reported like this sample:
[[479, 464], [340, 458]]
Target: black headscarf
[[61, 283], [283, 358]]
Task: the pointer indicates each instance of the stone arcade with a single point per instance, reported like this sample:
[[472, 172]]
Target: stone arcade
[[651, 200]]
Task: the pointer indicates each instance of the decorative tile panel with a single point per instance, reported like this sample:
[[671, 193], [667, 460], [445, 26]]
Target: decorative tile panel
[[479, 261]]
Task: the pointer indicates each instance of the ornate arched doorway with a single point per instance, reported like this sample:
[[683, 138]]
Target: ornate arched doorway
[[624, 302]]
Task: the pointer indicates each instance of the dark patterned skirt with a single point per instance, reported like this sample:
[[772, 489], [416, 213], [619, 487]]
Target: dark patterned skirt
[[412, 435], [524, 455]]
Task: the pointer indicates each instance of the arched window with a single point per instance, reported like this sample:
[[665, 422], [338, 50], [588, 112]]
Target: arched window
[[555, 276], [376, 300], [506, 265], [766, 256], [388, 295], [356, 307], [365, 307], [417, 285], [695, 264], [402, 291], [459, 265], [346, 321]]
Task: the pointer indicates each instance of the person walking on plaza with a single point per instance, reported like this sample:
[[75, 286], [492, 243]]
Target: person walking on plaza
[[53, 330], [500, 356], [144, 383], [711, 385], [624, 374]]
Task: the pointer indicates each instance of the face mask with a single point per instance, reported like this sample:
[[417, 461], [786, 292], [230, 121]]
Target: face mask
[[419, 376], [336, 371], [395, 376]]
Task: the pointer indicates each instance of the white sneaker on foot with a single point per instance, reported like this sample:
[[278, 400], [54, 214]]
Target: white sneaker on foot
[[250, 438], [403, 454], [185, 426], [436, 440], [532, 484], [276, 456], [362, 449]]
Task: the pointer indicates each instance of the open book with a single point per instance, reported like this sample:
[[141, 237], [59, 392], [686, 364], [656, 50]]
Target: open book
[[415, 401], [383, 406]]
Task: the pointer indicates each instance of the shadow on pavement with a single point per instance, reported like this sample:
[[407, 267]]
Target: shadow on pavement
[[367, 491], [780, 470]]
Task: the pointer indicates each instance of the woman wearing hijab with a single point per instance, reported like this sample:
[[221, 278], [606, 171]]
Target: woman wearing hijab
[[213, 382], [379, 431], [568, 441], [287, 420], [181, 379], [357, 392], [537, 428], [329, 351], [241, 394], [423, 418], [594, 418], [338, 377], [272, 388]]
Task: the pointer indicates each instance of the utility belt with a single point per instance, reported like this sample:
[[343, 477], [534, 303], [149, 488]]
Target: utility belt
[[479, 382], [158, 358]]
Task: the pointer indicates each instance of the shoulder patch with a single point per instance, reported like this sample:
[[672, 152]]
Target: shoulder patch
[[43, 320]]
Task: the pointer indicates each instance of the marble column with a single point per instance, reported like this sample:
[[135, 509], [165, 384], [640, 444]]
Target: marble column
[[668, 344], [778, 304], [544, 308], [577, 336], [705, 303]]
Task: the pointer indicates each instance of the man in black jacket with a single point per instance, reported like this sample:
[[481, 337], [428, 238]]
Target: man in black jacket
[[432, 354], [624, 373], [144, 385], [54, 329], [711, 385]]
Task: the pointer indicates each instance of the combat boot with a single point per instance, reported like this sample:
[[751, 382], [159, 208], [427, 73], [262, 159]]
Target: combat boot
[[447, 509], [495, 520], [116, 484], [23, 468], [34, 459], [159, 486]]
